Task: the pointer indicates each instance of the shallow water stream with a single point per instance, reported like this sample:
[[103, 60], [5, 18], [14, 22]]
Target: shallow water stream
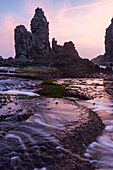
[[33, 143], [99, 153]]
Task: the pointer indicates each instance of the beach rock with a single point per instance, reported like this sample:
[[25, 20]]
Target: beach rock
[[40, 32]]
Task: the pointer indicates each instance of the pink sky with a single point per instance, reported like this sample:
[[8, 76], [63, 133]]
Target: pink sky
[[83, 24]]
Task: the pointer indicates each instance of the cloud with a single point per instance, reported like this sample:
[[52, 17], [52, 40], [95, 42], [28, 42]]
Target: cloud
[[85, 25], [96, 3]]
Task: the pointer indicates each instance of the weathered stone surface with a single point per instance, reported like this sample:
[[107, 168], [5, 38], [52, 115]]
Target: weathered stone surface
[[67, 55], [40, 31], [24, 41], [36, 42], [55, 47], [67, 49]]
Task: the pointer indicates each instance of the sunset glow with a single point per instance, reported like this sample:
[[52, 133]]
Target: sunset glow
[[83, 22]]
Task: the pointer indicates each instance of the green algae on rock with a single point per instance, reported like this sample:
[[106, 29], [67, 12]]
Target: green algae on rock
[[54, 90]]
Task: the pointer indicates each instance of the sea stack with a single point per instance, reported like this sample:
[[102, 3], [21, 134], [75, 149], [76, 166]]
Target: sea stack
[[40, 32], [29, 45]]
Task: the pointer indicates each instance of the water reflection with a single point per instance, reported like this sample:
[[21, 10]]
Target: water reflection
[[99, 152]]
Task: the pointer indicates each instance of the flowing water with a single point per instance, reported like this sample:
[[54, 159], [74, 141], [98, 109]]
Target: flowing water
[[100, 152], [24, 143], [33, 144]]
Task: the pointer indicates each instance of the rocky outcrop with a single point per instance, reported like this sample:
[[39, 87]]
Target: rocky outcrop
[[67, 49], [67, 55], [55, 47], [24, 41], [36, 42]]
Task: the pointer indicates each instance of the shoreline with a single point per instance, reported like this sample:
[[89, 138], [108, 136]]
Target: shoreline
[[74, 139]]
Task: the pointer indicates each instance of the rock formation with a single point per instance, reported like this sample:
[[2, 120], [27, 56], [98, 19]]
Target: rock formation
[[24, 41], [40, 32], [36, 42], [67, 55], [55, 47], [35, 46], [67, 49]]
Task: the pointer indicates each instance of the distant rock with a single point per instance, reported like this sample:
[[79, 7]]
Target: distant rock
[[107, 58], [1, 58], [22, 57], [99, 60]]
